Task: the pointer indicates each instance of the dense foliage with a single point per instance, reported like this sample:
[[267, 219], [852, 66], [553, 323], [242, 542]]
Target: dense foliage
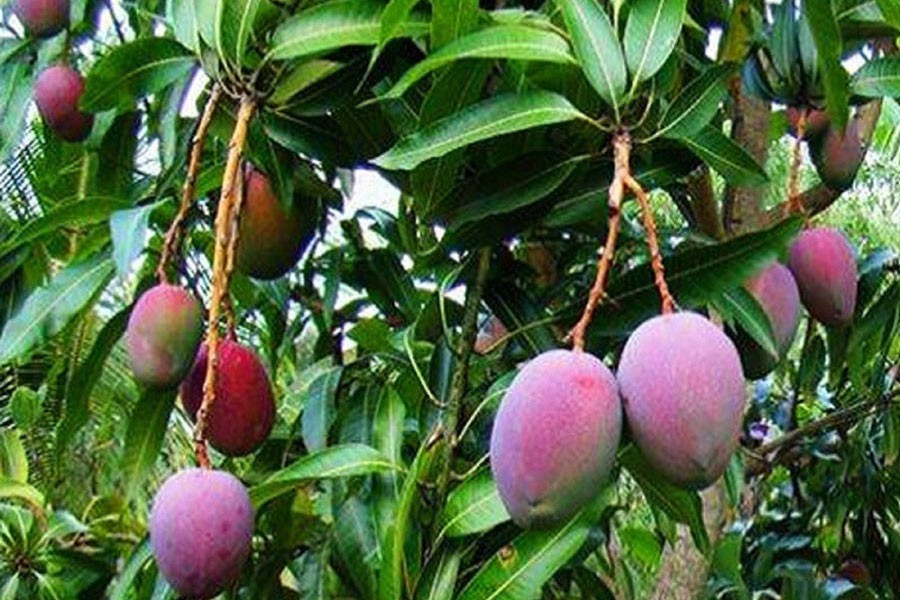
[[389, 334]]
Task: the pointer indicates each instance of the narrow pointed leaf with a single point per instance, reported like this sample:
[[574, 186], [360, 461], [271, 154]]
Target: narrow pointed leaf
[[877, 78], [510, 42], [597, 49], [472, 507], [345, 460], [146, 429], [337, 24], [651, 33], [488, 119], [722, 154], [827, 37], [696, 105], [741, 308]]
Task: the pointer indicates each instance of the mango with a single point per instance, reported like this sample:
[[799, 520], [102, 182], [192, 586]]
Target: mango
[[56, 93], [824, 264]]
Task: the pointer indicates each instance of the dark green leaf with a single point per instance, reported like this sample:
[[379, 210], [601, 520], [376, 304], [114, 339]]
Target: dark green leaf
[[651, 33], [25, 406], [451, 19], [827, 36], [695, 106], [356, 542], [730, 160], [488, 119], [741, 308], [146, 429], [597, 49], [472, 507]]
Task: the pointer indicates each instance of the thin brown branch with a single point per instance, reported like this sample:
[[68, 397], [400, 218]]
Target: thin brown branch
[[172, 240], [659, 272], [229, 203], [794, 206], [621, 153]]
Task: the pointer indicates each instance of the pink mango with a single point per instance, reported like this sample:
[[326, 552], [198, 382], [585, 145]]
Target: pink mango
[[683, 391], [555, 436], [56, 93], [42, 18], [824, 264]]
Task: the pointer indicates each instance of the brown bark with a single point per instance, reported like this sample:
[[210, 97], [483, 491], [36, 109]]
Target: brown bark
[[750, 129]]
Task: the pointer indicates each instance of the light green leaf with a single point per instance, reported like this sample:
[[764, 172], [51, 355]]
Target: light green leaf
[[337, 24], [139, 557], [472, 507], [144, 436], [651, 33], [730, 160], [439, 580], [597, 49], [354, 533], [509, 42], [25, 406], [520, 569], [318, 408], [10, 488], [877, 78], [345, 460], [134, 70], [890, 10], [13, 460], [50, 308], [695, 106], [451, 19], [129, 235], [488, 119]]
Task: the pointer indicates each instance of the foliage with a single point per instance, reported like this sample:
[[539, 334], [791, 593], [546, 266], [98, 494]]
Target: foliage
[[494, 121]]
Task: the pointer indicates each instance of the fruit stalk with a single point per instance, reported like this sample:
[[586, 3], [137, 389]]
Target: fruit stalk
[[173, 235], [621, 156], [229, 205], [659, 272]]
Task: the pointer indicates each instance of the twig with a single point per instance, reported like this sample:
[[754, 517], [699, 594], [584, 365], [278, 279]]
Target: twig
[[621, 154], [227, 212], [173, 235], [794, 206], [464, 348], [659, 272]]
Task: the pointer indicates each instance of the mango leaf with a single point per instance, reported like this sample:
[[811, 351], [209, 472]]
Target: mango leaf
[[357, 545], [146, 429], [234, 27], [739, 307], [394, 16], [345, 460], [134, 70], [520, 569], [439, 579], [25, 406], [129, 235], [472, 507], [451, 19], [17, 75], [722, 154], [488, 119], [877, 78], [651, 33], [123, 587], [509, 42], [78, 392], [696, 105], [890, 10], [50, 308], [682, 506], [318, 408], [336, 24], [827, 37], [597, 49], [694, 276]]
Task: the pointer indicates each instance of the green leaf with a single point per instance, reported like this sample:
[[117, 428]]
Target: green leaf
[[812, 365], [890, 10], [472, 507], [597, 49], [129, 235], [741, 308], [451, 19], [827, 36], [439, 579], [520, 569], [134, 70], [395, 14], [17, 75], [78, 393], [134, 564], [877, 78], [234, 28], [509, 42], [318, 408], [694, 276], [345, 460], [336, 24], [651, 33], [18, 490], [13, 460], [488, 119], [722, 154], [50, 308], [144, 437], [357, 545], [682, 506], [696, 105]]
